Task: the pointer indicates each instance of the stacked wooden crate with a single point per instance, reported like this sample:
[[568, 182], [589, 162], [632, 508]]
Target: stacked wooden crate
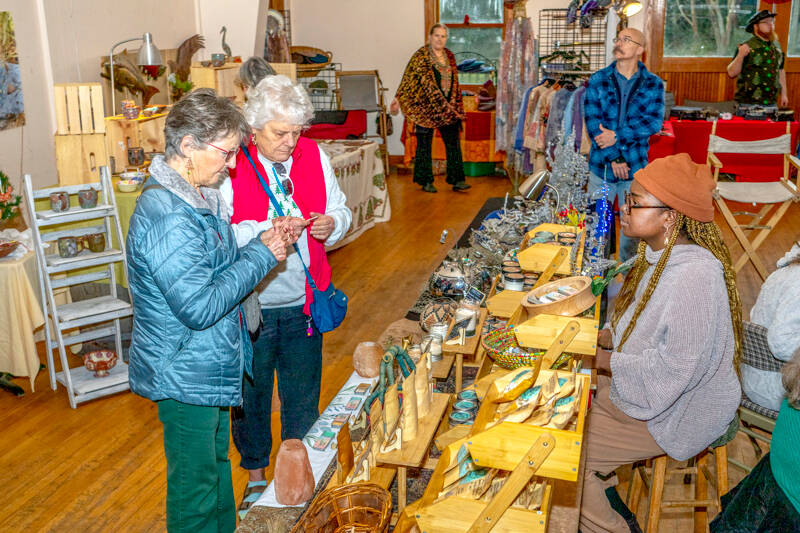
[[143, 132], [80, 132]]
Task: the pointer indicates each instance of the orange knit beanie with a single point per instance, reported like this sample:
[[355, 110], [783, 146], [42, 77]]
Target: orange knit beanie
[[681, 184]]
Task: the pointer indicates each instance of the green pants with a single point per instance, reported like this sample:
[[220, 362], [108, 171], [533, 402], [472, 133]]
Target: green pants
[[199, 486]]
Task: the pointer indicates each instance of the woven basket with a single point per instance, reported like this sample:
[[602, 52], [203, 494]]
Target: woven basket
[[351, 508], [499, 344], [308, 70]]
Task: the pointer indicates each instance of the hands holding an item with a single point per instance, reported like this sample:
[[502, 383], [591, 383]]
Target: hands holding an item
[[284, 231], [621, 170], [321, 226], [606, 138], [602, 357]]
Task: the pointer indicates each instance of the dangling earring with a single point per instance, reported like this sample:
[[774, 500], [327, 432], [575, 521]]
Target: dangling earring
[[189, 168], [667, 233]]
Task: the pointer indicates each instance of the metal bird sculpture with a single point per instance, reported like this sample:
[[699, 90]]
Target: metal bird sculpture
[[127, 76], [188, 48], [225, 47]]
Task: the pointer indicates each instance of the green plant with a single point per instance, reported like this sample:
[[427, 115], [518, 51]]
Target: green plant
[[8, 201]]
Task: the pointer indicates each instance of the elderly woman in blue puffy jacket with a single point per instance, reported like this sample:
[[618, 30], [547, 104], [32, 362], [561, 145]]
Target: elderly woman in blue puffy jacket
[[190, 345]]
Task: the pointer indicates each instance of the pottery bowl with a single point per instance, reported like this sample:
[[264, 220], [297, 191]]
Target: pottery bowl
[[128, 185], [100, 362]]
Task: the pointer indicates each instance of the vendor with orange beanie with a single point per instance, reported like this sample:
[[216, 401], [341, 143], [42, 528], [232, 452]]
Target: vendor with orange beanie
[[674, 341]]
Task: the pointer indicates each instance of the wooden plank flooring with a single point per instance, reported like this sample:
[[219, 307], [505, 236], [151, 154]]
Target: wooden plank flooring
[[101, 467]]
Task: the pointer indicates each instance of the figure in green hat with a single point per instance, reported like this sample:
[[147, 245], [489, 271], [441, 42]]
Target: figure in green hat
[[758, 63]]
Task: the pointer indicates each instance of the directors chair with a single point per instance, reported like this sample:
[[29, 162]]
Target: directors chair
[[775, 196], [362, 89]]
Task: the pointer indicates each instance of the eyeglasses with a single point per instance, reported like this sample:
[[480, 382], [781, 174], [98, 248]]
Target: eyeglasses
[[625, 39], [229, 154], [628, 205], [285, 181]]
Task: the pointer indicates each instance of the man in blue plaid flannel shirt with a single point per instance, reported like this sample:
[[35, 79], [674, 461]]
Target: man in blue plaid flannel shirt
[[623, 107]]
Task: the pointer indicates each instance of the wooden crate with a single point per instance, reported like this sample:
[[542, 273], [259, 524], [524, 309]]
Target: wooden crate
[[504, 445], [456, 514], [287, 69], [540, 331], [536, 257], [222, 79], [121, 134], [80, 132]]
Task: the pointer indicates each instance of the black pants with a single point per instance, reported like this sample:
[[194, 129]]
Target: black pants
[[423, 166], [283, 347]]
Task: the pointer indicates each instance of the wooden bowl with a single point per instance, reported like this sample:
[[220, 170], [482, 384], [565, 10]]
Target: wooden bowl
[[572, 305], [7, 247]]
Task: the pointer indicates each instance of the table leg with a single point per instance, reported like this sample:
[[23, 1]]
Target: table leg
[[459, 370], [401, 489]]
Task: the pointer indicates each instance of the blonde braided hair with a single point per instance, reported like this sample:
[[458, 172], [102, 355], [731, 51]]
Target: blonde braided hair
[[704, 234]]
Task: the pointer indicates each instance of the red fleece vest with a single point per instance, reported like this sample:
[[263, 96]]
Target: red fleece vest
[[250, 201]]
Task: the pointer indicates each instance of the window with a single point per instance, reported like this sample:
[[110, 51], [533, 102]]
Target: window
[[482, 36], [706, 28], [794, 31]]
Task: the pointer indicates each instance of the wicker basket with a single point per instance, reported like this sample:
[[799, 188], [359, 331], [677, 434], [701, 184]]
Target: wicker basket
[[351, 508], [308, 70], [499, 344]]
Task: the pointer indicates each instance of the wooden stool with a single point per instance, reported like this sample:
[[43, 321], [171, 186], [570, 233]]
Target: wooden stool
[[654, 481]]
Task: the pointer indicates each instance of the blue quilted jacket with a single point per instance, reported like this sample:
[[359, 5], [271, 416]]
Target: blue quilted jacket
[[644, 118], [187, 279]]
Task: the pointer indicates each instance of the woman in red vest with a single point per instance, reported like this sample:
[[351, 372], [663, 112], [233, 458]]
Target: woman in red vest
[[302, 181]]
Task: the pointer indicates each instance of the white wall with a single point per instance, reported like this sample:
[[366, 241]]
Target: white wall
[[364, 34], [30, 148], [239, 17]]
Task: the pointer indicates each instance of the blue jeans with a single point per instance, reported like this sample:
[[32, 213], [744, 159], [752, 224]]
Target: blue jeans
[[282, 346], [627, 246]]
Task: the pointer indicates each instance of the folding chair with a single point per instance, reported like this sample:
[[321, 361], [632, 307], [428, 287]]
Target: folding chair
[[362, 89], [775, 195]]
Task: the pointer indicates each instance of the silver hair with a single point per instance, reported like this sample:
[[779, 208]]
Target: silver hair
[[205, 117], [439, 25], [790, 376], [277, 98], [254, 70]]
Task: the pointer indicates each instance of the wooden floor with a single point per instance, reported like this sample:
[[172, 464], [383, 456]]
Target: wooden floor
[[101, 467]]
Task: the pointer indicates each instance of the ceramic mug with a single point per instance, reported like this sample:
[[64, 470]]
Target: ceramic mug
[[96, 242], [69, 246], [59, 201], [87, 198], [136, 156]]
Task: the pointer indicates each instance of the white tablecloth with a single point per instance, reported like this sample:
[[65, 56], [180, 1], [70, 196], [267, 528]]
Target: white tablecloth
[[361, 177]]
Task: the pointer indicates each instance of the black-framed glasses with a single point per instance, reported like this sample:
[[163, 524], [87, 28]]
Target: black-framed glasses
[[628, 204], [626, 39], [229, 154]]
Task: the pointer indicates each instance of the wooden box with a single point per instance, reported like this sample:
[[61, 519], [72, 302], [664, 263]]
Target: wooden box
[[456, 514], [504, 445], [80, 132], [540, 331], [222, 79], [536, 257], [145, 132]]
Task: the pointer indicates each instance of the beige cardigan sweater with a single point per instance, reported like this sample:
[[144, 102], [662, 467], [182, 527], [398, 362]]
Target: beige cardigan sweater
[[676, 369]]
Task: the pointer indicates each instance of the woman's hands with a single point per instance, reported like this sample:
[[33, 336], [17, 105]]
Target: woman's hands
[[602, 357], [321, 226], [604, 339], [284, 231], [394, 107]]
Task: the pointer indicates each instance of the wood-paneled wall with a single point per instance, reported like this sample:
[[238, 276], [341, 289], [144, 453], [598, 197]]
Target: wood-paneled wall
[[717, 87], [705, 78]]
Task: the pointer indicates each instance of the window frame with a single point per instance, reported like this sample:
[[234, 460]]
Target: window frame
[[432, 17], [656, 62]]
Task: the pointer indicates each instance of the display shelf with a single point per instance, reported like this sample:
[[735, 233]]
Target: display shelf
[[87, 387], [413, 453]]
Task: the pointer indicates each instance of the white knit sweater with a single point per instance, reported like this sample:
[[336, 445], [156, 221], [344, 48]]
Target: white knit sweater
[[676, 369]]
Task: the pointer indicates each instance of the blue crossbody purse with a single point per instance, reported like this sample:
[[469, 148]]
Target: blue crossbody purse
[[329, 306]]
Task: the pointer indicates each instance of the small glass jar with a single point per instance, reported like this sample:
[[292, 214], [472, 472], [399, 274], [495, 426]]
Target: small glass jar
[[433, 343], [469, 308]]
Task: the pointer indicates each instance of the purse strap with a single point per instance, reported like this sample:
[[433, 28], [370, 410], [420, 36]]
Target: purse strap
[[277, 207]]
